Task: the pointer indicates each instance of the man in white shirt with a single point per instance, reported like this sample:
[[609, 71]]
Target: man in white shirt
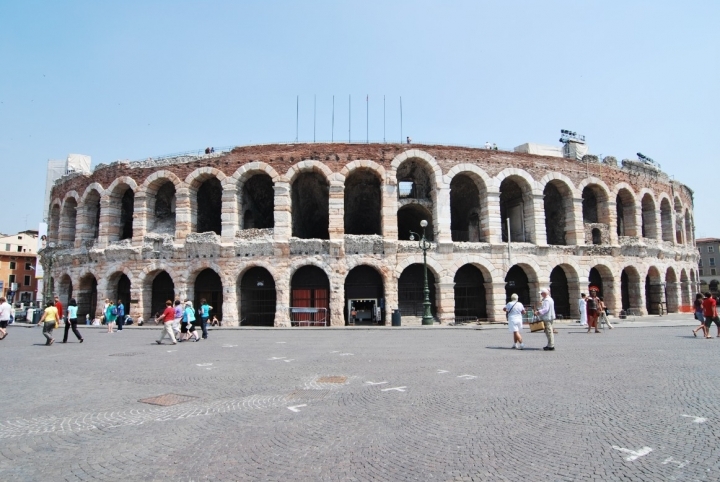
[[5, 313], [547, 315]]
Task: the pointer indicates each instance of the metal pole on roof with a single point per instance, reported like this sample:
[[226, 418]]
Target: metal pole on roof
[[383, 119], [349, 119], [314, 114], [297, 116], [401, 139], [332, 131]]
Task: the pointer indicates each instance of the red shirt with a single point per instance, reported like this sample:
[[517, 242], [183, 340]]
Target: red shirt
[[59, 307], [168, 314], [709, 307]]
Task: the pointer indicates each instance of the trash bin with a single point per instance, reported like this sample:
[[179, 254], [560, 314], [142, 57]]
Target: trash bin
[[396, 318], [37, 314]]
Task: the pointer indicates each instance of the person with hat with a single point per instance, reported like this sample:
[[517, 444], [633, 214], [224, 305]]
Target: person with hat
[[189, 318], [593, 307], [547, 315]]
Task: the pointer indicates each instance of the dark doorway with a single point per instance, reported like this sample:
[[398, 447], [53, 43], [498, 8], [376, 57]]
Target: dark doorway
[[560, 292], [165, 209], [209, 286], [163, 289], [554, 215], [470, 301], [365, 294], [209, 206], [258, 202], [409, 217], [363, 202], [126, 214], [589, 205], [310, 296], [123, 292], [595, 280], [625, 290], [512, 207], [464, 209], [257, 298], [517, 282], [596, 236], [92, 213], [620, 214], [87, 297], [411, 291], [310, 206]]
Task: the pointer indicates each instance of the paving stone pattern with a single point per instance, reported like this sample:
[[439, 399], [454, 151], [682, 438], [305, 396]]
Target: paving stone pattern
[[439, 404]]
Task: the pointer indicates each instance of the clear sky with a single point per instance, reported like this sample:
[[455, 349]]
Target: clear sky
[[133, 79]]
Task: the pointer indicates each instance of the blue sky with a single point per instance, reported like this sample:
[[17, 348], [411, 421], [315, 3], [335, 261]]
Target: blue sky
[[132, 79]]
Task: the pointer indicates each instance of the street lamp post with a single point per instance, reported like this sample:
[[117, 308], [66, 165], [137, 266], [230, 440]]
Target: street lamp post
[[424, 244]]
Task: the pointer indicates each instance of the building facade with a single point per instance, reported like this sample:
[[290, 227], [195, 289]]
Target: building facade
[[709, 264], [273, 234], [18, 259]]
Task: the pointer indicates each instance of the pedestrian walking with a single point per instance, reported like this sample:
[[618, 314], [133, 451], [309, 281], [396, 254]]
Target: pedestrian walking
[[120, 315], [5, 314], [71, 321], [710, 314], [177, 318], [204, 312], [167, 318], [699, 316], [110, 316], [592, 309], [546, 312], [513, 312], [582, 306], [190, 320], [59, 307], [49, 321]]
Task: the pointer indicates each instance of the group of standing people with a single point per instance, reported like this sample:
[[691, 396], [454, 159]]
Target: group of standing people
[[53, 315], [180, 321], [545, 313], [592, 309], [706, 313]]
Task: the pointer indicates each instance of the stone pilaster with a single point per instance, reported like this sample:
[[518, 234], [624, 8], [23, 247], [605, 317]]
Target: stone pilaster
[[445, 300], [230, 221], [539, 235], [491, 222], [183, 213], [282, 213], [141, 218]]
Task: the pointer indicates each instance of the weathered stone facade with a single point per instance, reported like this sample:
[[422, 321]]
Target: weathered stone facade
[[240, 227]]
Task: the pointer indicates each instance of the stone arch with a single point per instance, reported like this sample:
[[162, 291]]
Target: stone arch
[[433, 265], [157, 179], [363, 164], [309, 166], [673, 293], [68, 218], [364, 287], [564, 289], [522, 279], [310, 292], [411, 284], [517, 194], [250, 169], [601, 276], [118, 206], [468, 206], [626, 209], [559, 206], [363, 201], [417, 181], [423, 157], [596, 198], [119, 286], [257, 296], [89, 222], [648, 216], [632, 293], [206, 193], [472, 298], [666, 220], [310, 200], [86, 295], [65, 288]]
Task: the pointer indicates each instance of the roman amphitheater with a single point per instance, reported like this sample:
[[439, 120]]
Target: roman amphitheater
[[278, 235]]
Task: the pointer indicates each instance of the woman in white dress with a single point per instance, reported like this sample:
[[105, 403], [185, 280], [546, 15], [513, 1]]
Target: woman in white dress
[[582, 306], [514, 311]]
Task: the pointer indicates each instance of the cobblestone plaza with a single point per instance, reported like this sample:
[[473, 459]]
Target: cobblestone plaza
[[442, 403]]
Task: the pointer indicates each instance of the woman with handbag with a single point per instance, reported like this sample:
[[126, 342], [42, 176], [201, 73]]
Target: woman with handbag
[[513, 312], [49, 321]]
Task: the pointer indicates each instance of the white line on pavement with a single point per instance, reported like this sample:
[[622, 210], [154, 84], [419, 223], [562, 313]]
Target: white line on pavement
[[376, 383], [634, 454], [696, 418], [295, 408], [397, 389]]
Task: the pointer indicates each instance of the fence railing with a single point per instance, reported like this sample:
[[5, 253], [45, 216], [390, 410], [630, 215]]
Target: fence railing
[[303, 316]]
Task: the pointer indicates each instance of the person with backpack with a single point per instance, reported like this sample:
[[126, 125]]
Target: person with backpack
[[110, 316], [204, 312]]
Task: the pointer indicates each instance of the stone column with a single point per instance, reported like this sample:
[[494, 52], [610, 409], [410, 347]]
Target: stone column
[[282, 213], [391, 298], [575, 287], [495, 310], [336, 221], [282, 296], [141, 218], [108, 228], [491, 222], [611, 208], [442, 203], [579, 223], [135, 305], [445, 299], [229, 217], [183, 213], [539, 235], [230, 305], [637, 297], [673, 297], [337, 300]]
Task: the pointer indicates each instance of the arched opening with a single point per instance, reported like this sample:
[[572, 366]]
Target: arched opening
[[411, 290], [596, 236], [162, 289], [654, 291], [649, 218], [409, 217], [87, 297], [672, 288], [631, 290], [164, 209], [209, 206], [208, 286], [365, 295], [594, 279], [689, 231], [625, 205], [465, 212], [363, 203], [310, 296], [470, 296], [516, 281], [258, 298], [557, 201], [666, 220], [54, 224], [127, 207], [310, 206], [590, 205], [68, 221], [65, 289], [517, 206], [258, 202], [560, 292], [92, 214], [122, 292]]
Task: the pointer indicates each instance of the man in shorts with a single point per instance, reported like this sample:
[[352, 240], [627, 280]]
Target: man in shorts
[[710, 313], [5, 313]]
